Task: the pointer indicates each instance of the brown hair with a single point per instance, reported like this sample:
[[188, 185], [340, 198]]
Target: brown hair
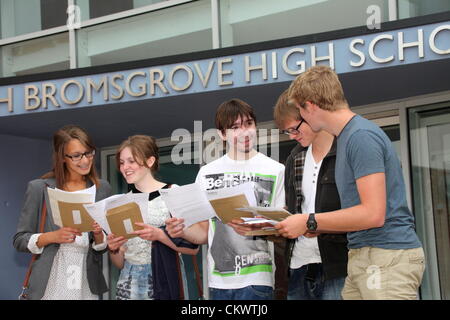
[[229, 111], [319, 85], [60, 139], [285, 111], [142, 147]]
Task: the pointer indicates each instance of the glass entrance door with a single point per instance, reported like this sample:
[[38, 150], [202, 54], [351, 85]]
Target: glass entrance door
[[430, 159]]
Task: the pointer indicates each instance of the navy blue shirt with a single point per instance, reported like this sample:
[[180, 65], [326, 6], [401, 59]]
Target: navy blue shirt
[[364, 149]]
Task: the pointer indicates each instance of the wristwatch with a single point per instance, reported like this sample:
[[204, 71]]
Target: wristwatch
[[311, 223]]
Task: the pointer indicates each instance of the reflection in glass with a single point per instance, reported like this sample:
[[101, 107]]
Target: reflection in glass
[[415, 8], [20, 17], [430, 157], [243, 21], [45, 54], [148, 35]]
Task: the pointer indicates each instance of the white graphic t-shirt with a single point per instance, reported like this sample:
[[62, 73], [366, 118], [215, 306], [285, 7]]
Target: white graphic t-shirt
[[235, 261]]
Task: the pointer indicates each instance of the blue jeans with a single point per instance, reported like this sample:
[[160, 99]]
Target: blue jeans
[[246, 293], [303, 287]]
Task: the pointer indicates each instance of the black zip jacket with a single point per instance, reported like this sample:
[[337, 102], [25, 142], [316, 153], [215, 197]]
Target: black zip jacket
[[332, 247]]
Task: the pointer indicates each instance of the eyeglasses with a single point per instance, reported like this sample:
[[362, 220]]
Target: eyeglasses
[[293, 131], [77, 157]]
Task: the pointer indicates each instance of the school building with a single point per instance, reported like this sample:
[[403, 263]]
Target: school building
[[124, 67]]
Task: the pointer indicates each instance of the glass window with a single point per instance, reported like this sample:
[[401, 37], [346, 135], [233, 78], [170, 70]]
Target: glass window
[[99, 8], [53, 13], [174, 30], [45, 54], [430, 159], [260, 20], [19, 17], [414, 8], [91, 9]]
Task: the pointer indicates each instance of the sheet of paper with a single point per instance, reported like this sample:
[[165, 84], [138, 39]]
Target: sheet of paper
[[67, 208], [249, 221], [98, 211], [266, 231], [188, 202], [91, 190], [276, 214]]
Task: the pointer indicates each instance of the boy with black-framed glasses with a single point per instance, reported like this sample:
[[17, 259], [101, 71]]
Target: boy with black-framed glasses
[[316, 264], [386, 258]]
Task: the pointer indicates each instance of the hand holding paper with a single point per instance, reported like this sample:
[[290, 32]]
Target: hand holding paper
[[242, 229], [98, 233], [114, 243], [148, 232], [264, 222], [270, 213], [258, 221], [175, 227], [118, 214], [64, 235], [67, 208], [293, 227], [188, 202], [194, 205], [97, 229]]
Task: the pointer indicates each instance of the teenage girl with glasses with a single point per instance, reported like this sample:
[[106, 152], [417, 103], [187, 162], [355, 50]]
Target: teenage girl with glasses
[[69, 266]]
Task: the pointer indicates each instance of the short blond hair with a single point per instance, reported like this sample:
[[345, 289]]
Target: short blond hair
[[285, 111], [319, 85]]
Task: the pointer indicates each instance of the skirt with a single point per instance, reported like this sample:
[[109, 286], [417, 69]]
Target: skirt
[[135, 282]]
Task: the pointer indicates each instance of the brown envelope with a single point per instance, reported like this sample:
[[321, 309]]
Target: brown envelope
[[226, 208], [74, 215], [124, 217]]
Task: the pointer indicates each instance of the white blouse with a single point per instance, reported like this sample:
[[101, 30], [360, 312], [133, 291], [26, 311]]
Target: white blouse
[[137, 250], [68, 276]]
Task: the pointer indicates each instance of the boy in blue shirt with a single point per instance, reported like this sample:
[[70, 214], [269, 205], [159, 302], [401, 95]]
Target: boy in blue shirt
[[386, 259]]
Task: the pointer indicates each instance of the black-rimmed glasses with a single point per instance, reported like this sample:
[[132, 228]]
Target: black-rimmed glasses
[[293, 131], [77, 157]]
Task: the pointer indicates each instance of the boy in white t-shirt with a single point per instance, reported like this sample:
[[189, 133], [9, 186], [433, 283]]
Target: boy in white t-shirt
[[239, 267]]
